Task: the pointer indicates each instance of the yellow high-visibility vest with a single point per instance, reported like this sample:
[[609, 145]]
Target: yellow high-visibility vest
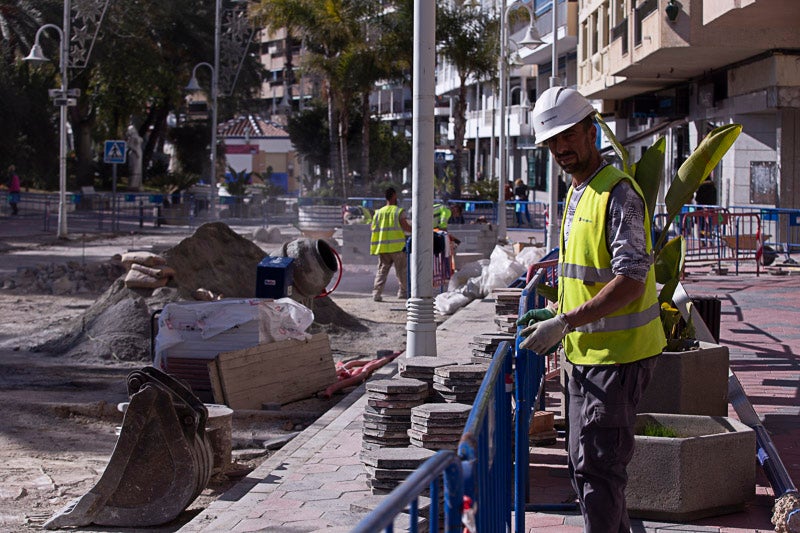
[[628, 334], [443, 213], [387, 234]]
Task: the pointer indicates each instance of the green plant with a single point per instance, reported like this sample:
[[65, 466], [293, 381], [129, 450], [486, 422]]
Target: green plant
[[172, 182], [654, 429], [237, 183], [670, 255], [648, 173]]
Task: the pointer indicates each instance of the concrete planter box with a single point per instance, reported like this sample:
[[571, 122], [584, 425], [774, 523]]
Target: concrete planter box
[[708, 470], [693, 382]]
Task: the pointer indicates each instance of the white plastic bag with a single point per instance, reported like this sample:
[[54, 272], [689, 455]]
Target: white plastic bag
[[530, 255], [465, 273], [502, 270], [448, 303], [283, 319]]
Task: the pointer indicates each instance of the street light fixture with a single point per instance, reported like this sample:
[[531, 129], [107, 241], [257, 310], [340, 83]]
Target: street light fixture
[[554, 223], [194, 86], [89, 17], [37, 56], [238, 35], [531, 39]]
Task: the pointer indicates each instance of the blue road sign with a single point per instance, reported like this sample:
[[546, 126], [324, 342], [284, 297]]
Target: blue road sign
[[114, 152]]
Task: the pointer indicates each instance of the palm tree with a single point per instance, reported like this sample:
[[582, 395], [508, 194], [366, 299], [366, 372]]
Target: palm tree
[[19, 20], [469, 39]]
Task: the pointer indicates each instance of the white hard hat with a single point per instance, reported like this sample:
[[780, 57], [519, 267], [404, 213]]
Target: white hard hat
[[557, 109]]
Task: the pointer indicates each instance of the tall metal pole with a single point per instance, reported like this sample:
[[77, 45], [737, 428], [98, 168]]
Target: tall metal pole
[[62, 127], [501, 189], [420, 324], [478, 118], [554, 227], [214, 94]]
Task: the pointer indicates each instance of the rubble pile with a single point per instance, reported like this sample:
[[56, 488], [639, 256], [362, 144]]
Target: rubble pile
[[72, 277]]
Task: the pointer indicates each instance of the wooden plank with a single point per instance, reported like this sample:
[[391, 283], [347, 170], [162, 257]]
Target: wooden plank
[[256, 354], [279, 372], [216, 383]]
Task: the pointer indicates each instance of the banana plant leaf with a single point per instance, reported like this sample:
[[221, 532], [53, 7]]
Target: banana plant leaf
[[547, 292], [669, 266], [649, 173], [615, 144], [696, 169]]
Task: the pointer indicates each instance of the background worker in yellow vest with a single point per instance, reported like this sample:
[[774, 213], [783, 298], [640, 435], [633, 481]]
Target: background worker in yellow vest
[[441, 215], [388, 240], [607, 314]]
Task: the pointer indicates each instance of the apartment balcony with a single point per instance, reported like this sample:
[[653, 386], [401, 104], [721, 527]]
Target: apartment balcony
[[518, 122], [647, 51]]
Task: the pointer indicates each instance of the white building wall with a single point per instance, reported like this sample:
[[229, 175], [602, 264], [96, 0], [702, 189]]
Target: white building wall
[[756, 143]]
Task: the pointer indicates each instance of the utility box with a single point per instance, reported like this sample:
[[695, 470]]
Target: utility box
[[274, 277]]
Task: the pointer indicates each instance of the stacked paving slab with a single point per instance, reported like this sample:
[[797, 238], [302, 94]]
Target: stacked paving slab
[[438, 426], [485, 345], [388, 467], [459, 383], [388, 411], [422, 368], [506, 308]]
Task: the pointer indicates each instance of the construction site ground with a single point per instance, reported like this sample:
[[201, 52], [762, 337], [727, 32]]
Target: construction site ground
[[58, 417]]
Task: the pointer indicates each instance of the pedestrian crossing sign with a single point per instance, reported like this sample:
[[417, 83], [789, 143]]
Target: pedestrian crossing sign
[[114, 152]]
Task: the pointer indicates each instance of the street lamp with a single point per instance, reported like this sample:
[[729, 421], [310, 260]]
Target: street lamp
[[194, 86], [531, 39], [89, 17], [37, 56], [238, 34], [554, 223]]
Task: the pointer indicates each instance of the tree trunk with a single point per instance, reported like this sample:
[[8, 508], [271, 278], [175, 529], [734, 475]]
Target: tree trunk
[[344, 131], [459, 129], [365, 122], [333, 140]]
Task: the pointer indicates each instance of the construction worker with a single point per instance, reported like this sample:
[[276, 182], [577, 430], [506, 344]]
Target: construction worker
[[388, 241], [441, 215], [607, 313]]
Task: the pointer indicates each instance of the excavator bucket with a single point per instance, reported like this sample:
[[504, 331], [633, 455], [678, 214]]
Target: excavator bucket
[[160, 464]]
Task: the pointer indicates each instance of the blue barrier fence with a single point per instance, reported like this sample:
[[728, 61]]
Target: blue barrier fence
[[494, 470], [480, 470]]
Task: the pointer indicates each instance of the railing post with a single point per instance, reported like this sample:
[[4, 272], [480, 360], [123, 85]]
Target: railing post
[[141, 213]]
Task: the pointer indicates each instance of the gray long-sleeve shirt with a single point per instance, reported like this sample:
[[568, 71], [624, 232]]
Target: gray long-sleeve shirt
[[624, 228]]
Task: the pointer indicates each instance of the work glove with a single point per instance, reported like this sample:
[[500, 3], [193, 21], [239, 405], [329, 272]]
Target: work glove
[[543, 337], [535, 315]]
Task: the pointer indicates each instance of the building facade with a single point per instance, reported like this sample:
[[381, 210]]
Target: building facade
[[679, 68]]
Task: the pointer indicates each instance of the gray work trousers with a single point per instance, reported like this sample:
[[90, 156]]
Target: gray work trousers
[[385, 262], [602, 404]]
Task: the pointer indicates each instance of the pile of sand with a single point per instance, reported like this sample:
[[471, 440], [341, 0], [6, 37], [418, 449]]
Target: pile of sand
[[118, 325]]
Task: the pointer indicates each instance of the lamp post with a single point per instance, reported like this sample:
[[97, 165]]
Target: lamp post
[[554, 223], [194, 86], [531, 39], [237, 39], [89, 17], [37, 56]]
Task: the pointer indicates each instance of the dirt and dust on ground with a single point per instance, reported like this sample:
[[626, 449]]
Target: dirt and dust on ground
[[71, 332]]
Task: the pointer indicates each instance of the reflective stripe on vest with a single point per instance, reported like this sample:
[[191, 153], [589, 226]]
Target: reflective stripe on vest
[[628, 334], [387, 234]]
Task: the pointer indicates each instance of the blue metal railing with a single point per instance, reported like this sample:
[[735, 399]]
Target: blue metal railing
[[485, 450], [481, 469], [445, 466]]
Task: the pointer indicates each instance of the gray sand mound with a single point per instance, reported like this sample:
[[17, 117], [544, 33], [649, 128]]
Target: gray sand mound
[[117, 325]]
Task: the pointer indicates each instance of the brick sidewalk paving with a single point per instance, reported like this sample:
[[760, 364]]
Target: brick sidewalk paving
[[309, 485]]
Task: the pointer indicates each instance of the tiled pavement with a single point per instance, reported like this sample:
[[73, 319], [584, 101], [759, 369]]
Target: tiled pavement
[[310, 483]]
